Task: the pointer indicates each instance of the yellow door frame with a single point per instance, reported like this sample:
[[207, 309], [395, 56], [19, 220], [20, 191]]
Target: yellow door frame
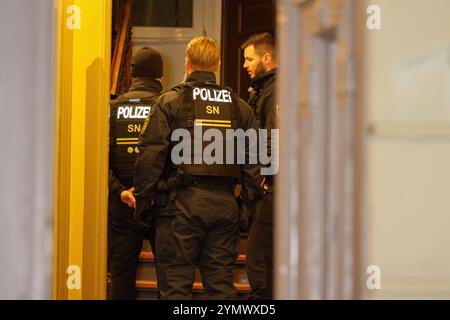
[[81, 156]]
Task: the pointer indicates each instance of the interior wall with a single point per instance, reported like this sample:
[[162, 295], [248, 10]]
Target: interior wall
[[26, 128], [172, 43], [407, 173]]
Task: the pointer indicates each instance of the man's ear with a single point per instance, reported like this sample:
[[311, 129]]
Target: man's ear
[[187, 65], [267, 58], [216, 67]]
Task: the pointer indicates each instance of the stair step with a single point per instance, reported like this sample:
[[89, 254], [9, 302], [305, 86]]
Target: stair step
[[149, 274], [197, 286], [148, 257], [146, 283], [146, 270], [242, 244]]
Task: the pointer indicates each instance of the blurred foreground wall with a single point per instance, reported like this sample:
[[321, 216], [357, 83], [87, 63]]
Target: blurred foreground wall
[[407, 159], [26, 130]]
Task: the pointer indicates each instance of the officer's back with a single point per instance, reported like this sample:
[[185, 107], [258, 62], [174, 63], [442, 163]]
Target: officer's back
[[198, 224], [127, 115]]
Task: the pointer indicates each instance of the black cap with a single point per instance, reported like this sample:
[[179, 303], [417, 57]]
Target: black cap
[[147, 62]]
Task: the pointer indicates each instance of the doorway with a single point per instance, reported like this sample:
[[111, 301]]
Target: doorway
[[240, 19]]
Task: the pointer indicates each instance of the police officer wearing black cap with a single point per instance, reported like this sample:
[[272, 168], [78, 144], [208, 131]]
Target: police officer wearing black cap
[[260, 63], [197, 223], [127, 116]]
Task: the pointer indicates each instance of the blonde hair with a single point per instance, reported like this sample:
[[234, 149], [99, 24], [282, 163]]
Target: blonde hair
[[203, 53]]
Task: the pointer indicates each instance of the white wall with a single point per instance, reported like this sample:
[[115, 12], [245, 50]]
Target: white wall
[[407, 166], [26, 144], [172, 42]]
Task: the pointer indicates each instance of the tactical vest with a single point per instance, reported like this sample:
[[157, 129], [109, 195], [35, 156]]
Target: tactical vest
[[127, 117], [206, 105]]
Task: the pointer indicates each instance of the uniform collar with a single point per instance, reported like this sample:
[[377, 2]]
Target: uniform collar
[[260, 81], [203, 76], [146, 84]]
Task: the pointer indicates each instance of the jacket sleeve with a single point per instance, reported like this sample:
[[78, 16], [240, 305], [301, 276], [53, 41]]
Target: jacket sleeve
[[269, 114], [115, 187], [251, 173], [154, 143]]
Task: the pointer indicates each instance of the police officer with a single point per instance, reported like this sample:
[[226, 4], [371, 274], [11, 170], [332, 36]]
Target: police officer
[[198, 218], [260, 63], [127, 115]]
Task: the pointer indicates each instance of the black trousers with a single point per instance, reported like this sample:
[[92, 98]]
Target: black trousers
[[260, 251], [125, 245], [202, 231]]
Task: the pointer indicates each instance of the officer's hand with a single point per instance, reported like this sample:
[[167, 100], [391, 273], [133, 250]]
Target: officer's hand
[[127, 197]]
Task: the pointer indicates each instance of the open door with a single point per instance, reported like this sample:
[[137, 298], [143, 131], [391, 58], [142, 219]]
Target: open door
[[240, 19]]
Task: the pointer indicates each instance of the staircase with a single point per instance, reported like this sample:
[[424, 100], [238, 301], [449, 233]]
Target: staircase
[[146, 282]]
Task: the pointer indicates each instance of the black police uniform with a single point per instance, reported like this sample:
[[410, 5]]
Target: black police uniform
[[127, 116], [260, 238], [198, 225]]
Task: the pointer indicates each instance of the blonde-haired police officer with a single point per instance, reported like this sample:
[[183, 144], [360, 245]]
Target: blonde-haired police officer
[[197, 223]]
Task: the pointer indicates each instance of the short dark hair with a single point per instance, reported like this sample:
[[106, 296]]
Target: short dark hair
[[263, 43]]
